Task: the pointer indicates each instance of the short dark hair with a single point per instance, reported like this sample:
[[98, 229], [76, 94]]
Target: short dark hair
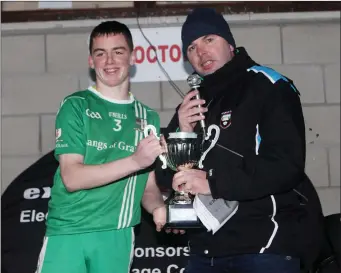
[[111, 28]]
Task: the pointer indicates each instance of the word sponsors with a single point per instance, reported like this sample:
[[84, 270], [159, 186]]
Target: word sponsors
[[151, 252]]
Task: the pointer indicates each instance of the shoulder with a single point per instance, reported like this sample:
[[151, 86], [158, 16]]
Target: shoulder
[[76, 100], [76, 96], [274, 90], [267, 79], [267, 74], [149, 111]]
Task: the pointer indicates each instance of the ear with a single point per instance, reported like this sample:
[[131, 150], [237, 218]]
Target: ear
[[91, 62], [231, 48], [132, 58]]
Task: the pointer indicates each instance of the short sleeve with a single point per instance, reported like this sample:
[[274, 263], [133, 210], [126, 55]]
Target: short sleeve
[[70, 129]]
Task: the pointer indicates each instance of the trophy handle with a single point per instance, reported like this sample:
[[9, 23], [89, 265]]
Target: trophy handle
[[146, 133], [213, 142]]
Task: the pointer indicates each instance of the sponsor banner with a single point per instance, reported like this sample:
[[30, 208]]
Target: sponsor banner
[[24, 211]]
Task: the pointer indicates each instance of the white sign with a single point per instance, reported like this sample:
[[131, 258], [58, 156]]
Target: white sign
[[167, 47]]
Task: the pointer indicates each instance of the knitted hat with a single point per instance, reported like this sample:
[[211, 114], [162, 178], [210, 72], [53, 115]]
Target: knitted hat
[[201, 22]]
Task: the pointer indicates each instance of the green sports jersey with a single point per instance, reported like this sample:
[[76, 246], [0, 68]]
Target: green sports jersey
[[102, 130]]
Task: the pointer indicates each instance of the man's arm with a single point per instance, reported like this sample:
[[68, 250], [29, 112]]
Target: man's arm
[[279, 165]]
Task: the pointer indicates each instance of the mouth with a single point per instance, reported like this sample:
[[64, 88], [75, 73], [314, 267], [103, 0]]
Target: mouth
[[207, 64], [110, 71]]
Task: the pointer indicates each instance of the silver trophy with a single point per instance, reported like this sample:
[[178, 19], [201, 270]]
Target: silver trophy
[[183, 150]]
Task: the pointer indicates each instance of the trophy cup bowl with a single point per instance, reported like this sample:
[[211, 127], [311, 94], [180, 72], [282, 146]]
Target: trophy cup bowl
[[183, 150]]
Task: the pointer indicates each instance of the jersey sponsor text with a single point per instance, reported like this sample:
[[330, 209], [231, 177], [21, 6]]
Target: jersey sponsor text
[[121, 145], [59, 145], [99, 145], [117, 115]]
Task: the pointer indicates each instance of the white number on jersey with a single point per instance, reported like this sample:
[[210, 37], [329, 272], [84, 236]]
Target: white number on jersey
[[118, 125]]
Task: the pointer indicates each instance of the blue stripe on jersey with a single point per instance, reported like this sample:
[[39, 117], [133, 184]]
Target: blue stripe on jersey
[[258, 139], [271, 74]]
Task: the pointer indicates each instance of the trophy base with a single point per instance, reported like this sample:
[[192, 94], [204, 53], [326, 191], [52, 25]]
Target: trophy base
[[182, 216]]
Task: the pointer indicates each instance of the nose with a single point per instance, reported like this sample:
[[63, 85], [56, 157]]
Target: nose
[[200, 51], [110, 59]]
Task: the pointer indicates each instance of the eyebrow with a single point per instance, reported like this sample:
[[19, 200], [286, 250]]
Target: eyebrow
[[203, 38], [114, 48]]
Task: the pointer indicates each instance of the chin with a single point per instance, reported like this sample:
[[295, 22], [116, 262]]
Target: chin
[[207, 72], [113, 84], [113, 81], [211, 71]]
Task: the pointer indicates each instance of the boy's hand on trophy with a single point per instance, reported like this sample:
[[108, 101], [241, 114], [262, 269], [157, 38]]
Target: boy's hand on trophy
[[191, 181], [160, 217], [147, 151], [188, 113], [163, 144]]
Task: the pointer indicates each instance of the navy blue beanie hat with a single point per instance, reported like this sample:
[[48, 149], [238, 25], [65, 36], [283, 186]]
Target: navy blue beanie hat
[[201, 22]]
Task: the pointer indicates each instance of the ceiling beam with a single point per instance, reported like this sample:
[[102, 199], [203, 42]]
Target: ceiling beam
[[151, 9]]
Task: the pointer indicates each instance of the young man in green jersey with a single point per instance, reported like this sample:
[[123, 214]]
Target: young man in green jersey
[[105, 166]]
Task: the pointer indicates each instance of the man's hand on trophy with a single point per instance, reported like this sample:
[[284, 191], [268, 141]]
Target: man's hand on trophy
[[147, 151], [159, 217], [189, 111], [192, 181], [175, 231]]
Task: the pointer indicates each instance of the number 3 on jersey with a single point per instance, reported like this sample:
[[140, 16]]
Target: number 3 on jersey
[[118, 125]]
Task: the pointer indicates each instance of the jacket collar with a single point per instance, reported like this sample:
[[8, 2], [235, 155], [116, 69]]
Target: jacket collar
[[225, 78]]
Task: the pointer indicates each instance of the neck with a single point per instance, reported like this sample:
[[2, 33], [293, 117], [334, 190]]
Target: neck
[[118, 92]]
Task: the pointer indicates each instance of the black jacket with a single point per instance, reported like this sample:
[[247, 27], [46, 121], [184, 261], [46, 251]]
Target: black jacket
[[278, 204]]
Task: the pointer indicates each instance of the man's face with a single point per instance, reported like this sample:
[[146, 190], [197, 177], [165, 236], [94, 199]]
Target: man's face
[[209, 53], [111, 59]]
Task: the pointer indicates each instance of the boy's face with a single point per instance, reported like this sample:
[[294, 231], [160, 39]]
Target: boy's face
[[111, 59], [209, 53]]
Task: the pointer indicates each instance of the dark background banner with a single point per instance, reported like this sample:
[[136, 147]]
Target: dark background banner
[[24, 208]]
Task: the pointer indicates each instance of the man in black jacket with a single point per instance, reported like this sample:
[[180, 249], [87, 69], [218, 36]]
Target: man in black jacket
[[259, 161]]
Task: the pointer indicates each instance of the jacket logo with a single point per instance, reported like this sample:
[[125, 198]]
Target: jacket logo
[[225, 120]]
